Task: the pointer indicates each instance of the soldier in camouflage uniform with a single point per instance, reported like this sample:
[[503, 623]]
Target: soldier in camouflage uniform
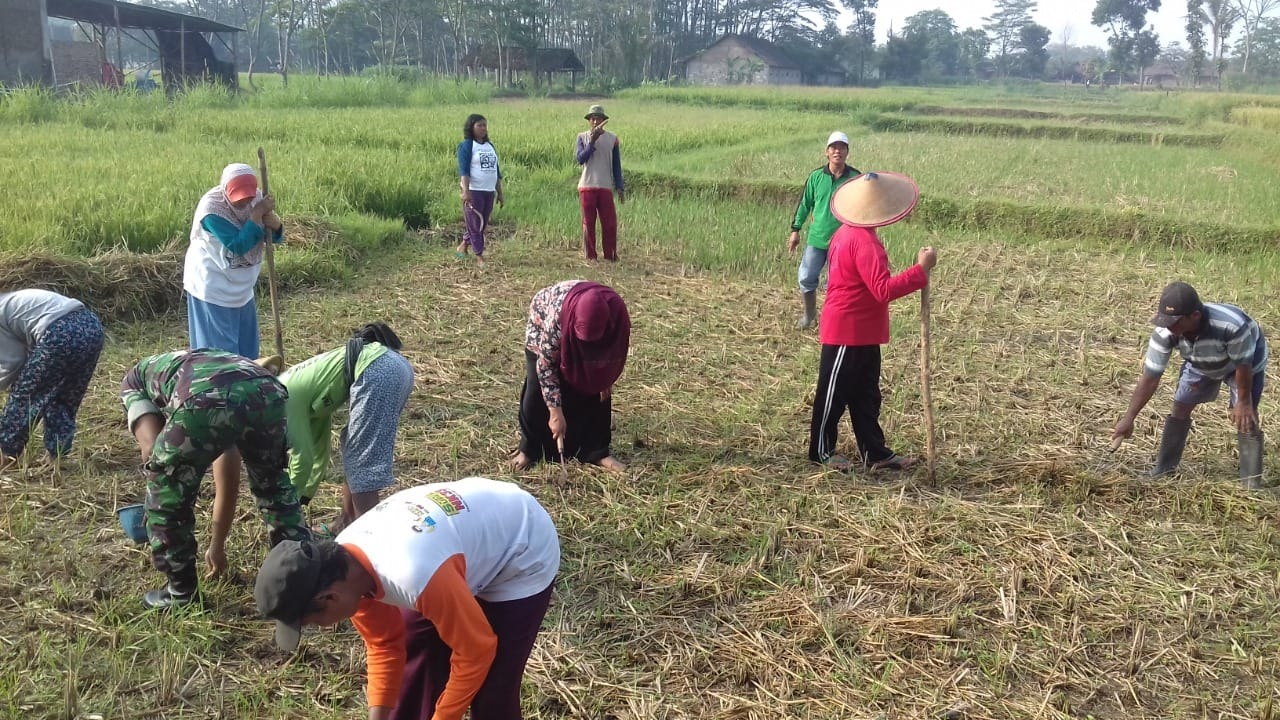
[[186, 408]]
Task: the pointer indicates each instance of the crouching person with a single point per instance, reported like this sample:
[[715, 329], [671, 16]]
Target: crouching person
[[49, 347], [186, 408], [1219, 344], [369, 372], [447, 584]]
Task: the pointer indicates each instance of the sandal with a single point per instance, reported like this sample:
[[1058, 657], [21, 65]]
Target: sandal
[[838, 462], [323, 532], [895, 462]]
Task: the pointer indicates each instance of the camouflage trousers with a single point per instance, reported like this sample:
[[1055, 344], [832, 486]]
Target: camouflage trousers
[[249, 415]]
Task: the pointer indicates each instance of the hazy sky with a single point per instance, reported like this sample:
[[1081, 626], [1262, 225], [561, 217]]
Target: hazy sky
[[1053, 14]]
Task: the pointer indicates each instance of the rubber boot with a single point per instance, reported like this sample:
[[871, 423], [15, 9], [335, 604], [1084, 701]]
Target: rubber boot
[[810, 310], [1250, 446], [1172, 442]]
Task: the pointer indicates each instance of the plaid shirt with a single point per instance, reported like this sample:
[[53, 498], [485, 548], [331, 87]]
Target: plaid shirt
[[1228, 338]]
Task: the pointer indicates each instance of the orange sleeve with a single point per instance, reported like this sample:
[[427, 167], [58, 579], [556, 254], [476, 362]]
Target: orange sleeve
[[382, 628], [448, 603]]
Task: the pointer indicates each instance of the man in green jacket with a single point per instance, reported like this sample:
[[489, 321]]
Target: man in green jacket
[[816, 199]]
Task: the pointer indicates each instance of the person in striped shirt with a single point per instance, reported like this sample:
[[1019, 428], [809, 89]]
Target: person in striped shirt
[[1219, 344]]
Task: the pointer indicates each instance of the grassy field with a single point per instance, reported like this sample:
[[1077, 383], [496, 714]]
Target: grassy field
[[723, 576]]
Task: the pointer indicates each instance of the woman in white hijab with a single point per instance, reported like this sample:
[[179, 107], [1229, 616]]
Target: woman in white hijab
[[227, 244], [223, 261]]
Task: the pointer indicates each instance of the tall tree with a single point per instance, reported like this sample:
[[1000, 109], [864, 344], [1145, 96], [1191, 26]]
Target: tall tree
[[1033, 41], [933, 35], [1265, 61], [1132, 47], [1251, 14], [1220, 17], [288, 16], [1195, 40], [1004, 26], [902, 59], [974, 48], [862, 32]]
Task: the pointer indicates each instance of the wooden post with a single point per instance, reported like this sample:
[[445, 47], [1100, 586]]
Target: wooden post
[[115, 9], [49, 71], [926, 393], [269, 247]]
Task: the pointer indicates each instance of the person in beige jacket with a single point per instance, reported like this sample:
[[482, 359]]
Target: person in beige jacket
[[601, 160]]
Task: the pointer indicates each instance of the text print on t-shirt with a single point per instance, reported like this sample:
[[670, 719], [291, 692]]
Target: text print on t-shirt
[[488, 160], [448, 500], [422, 520]]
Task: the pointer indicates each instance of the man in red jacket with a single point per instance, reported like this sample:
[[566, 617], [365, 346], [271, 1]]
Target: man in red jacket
[[855, 320]]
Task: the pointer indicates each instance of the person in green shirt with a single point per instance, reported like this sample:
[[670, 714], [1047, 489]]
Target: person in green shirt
[[816, 199], [369, 372]]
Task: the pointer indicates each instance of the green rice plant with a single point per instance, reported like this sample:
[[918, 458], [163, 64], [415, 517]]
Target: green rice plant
[[204, 97], [1077, 132], [1265, 118], [1064, 115], [28, 104]]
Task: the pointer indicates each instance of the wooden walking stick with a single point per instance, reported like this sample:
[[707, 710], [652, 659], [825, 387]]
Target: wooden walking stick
[[271, 262], [926, 395]]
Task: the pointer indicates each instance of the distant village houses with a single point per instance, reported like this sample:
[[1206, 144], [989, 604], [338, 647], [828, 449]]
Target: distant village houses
[[746, 60]]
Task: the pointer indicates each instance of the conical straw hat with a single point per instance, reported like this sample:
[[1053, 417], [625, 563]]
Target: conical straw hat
[[875, 199]]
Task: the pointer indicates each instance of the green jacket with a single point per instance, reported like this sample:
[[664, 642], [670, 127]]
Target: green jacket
[[816, 198], [317, 388]]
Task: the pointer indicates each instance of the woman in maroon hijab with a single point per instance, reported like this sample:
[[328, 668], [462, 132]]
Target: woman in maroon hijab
[[575, 348]]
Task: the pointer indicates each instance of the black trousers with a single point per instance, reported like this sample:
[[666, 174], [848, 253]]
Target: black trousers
[[848, 378], [588, 421]]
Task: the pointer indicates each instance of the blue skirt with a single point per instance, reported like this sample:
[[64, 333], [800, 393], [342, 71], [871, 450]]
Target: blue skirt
[[232, 329]]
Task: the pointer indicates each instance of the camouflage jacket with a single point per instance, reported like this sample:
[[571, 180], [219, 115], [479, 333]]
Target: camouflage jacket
[[166, 381]]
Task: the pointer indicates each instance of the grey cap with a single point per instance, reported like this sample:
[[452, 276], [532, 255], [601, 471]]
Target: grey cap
[[285, 587], [595, 110]]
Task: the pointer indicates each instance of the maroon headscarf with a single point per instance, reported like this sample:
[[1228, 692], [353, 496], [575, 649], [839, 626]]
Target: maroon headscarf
[[595, 333]]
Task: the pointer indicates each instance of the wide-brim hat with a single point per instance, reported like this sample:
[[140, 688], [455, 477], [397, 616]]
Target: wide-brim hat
[[595, 110], [875, 199]]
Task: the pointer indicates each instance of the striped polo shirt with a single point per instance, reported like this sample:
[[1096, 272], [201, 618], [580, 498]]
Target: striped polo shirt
[[1228, 338]]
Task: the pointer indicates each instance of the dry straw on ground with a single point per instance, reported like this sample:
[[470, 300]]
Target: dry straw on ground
[[725, 577]]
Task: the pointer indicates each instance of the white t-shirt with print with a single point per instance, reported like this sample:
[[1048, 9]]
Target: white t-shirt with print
[[484, 166], [506, 539]]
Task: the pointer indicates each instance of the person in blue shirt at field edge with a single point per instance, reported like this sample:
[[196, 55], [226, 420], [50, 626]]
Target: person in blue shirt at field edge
[[816, 198], [480, 178], [1219, 344]]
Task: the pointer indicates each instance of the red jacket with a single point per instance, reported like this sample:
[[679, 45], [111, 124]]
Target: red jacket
[[859, 289]]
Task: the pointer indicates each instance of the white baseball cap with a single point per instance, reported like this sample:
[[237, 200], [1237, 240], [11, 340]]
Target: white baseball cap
[[836, 137]]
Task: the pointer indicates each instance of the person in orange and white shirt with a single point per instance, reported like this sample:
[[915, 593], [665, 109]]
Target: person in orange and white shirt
[[447, 583]]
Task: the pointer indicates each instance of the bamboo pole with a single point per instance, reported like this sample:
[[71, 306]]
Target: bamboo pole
[[926, 393]]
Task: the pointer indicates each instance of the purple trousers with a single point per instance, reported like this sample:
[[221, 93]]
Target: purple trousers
[[426, 670], [475, 217]]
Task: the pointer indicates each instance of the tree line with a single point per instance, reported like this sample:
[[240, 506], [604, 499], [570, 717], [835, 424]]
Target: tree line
[[625, 42]]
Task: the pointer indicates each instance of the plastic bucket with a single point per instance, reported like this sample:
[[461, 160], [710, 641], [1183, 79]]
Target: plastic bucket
[[133, 522]]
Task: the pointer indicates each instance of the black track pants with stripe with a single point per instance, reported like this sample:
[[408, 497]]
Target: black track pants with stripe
[[848, 379]]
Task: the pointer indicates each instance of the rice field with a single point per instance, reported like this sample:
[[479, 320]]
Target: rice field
[[723, 576]]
